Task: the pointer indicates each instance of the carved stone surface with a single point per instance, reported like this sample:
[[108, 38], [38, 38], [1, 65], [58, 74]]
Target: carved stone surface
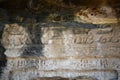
[[96, 42], [13, 39], [51, 50]]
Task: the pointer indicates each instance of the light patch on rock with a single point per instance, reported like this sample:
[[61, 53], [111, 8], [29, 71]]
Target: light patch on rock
[[13, 39], [100, 15]]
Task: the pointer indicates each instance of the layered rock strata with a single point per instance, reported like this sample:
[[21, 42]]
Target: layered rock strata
[[64, 49]]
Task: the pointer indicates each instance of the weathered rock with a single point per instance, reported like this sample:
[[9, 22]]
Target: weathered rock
[[59, 78], [100, 15], [50, 78], [3, 16], [43, 51], [62, 50], [13, 39], [83, 78], [74, 42]]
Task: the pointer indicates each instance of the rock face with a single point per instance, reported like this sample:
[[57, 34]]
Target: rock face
[[13, 39], [101, 15], [61, 49], [59, 78], [60, 40], [3, 16]]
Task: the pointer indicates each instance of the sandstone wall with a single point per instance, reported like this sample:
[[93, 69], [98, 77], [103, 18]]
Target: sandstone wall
[[61, 49]]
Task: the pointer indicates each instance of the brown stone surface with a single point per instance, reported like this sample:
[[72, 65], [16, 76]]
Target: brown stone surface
[[100, 15], [59, 78], [54, 78], [100, 42], [13, 39], [60, 39], [65, 51]]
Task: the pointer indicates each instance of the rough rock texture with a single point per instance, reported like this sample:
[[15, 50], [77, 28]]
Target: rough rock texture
[[59, 78], [101, 15], [59, 40], [67, 49], [13, 39]]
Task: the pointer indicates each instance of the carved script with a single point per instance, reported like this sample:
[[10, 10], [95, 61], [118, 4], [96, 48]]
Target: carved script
[[112, 39], [84, 39], [89, 39]]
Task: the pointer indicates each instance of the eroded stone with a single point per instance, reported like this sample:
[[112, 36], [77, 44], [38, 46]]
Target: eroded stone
[[65, 51], [13, 39], [96, 15]]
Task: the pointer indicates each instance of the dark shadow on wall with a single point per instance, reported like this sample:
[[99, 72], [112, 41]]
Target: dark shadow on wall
[[3, 59], [117, 10], [34, 49]]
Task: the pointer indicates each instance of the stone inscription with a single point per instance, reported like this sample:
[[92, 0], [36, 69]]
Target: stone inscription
[[74, 42], [75, 64], [112, 39], [89, 39], [63, 50]]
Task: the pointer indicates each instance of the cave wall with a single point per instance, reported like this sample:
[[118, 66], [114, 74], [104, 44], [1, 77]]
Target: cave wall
[[64, 50], [38, 41]]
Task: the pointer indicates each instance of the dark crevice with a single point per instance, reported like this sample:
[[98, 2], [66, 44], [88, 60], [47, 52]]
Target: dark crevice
[[3, 58], [36, 46]]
